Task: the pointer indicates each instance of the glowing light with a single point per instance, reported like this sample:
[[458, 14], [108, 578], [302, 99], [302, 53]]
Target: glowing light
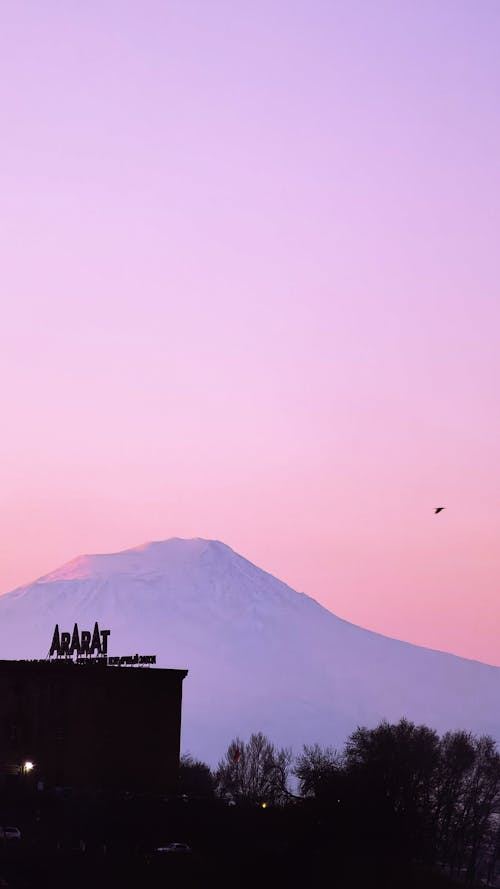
[[263, 805], [28, 766]]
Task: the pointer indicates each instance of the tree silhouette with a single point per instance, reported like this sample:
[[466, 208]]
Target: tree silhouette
[[390, 771], [195, 778], [319, 770], [255, 772]]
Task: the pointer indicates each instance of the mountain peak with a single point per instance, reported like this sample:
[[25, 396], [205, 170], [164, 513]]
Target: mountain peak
[[147, 558]]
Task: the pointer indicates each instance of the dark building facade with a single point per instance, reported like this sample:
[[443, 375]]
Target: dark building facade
[[90, 726]]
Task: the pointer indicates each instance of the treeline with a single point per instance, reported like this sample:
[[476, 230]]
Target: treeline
[[397, 792]]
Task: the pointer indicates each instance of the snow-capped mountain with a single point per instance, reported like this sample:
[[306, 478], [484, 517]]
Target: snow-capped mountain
[[260, 655]]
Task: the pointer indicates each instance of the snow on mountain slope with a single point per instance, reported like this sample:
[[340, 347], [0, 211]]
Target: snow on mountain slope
[[260, 655]]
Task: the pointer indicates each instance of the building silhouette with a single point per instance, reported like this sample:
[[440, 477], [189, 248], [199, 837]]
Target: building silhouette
[[90, 725]]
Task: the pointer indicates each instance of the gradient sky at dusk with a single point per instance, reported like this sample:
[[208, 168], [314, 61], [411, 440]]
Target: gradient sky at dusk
[[250, 291]]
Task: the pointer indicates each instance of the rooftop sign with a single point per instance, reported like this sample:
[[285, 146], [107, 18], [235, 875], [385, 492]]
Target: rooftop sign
[[87, 647]]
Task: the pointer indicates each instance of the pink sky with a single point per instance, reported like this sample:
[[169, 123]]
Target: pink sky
[[250, 291]]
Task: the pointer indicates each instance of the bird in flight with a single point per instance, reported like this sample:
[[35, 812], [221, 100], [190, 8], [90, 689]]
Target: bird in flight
[[438, 509]]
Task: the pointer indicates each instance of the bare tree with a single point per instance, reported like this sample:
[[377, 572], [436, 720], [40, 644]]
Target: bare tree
[[254, 772], [456, 759], [318, 770], [480, 798]]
